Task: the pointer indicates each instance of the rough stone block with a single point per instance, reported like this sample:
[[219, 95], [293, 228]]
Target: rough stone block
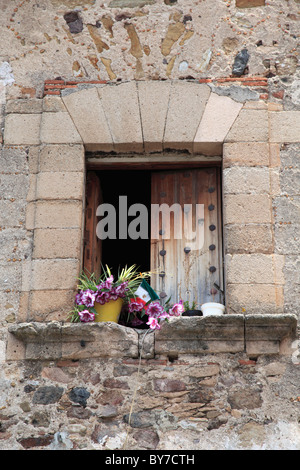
[[24, 106], [154, 100], [101, 339], [254, 298], [287, 238], [250, 126], [146, 344], [60, 185], [247, 208], [121, 107], [57, 243], [186, 107], [13, 160], [15, 243], [239, 180], [215, 125], [22, 129], [54, 274], [58, 214], [10, 275], [15, 349], [264, 334], [285, 126], [53, 340], [50, 305], [86, 111], [290, 181], [248, 238], [198, 335], [287, 209], [260, 268], [62, 158], [12, 213], [245, 154], [58, 128], [14, 186], [53, 104]]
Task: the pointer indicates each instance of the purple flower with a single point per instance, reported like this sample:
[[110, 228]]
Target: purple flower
[[102, 297], [86, 316], [177, 309], [78, 298], [121, 289], [113, 295], [88, 298], [155, 309], [107, 284], [100, 286]]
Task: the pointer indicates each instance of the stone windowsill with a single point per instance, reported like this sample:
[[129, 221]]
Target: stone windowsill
[[253, 334]]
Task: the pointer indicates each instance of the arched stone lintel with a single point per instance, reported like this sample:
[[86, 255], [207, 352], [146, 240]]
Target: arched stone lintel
[[145, 117], [149, 117]]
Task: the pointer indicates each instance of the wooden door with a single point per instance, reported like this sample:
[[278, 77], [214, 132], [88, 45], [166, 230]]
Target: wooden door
[[92, 244], [187, 269]]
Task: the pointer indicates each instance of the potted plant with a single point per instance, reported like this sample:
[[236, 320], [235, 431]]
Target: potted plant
[[190, 310], [101, 299], [129, 300]]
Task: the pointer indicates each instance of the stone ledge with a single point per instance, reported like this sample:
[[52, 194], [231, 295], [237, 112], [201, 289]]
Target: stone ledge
[[253, 334]]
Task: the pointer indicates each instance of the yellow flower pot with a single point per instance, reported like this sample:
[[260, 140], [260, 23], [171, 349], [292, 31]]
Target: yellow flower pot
[[110, 311]]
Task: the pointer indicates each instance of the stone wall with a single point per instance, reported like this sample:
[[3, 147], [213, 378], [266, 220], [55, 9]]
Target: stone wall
[[65, 66], [156, 39], [209, 403], [109, 387]]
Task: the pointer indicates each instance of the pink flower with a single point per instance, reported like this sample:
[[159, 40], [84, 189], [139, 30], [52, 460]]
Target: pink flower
[[154, 309], [86, 316], [164, 316], [153, 323], [177, 309]]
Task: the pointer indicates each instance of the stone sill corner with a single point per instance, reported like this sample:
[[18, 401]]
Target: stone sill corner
[[253, 334]]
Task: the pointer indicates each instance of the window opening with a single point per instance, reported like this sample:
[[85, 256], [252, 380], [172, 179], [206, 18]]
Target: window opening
[[181, 271]]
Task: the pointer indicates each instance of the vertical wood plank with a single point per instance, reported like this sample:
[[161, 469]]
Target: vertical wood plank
[[92, 244], [189, 275]]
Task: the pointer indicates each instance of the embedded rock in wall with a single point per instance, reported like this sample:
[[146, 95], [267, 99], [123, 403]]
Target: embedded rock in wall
[[240, 63], [144, 40], [74, 22], [250, 3]]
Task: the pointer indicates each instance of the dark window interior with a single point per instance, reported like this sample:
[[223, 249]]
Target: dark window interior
[[136, 185]]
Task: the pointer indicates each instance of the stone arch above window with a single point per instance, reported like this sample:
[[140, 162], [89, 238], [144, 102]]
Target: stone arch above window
[[143, 117]]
